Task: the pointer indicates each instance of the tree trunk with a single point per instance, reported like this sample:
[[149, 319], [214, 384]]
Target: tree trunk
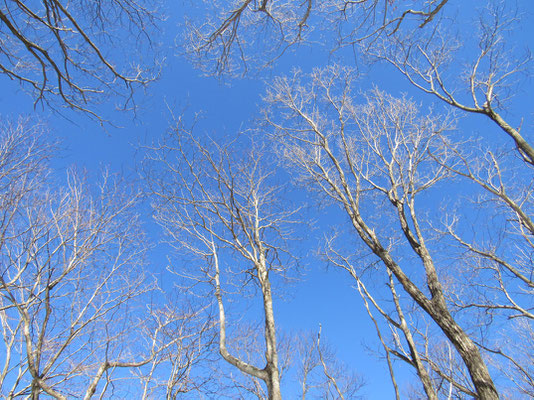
[[470, 355], [436, 307], [271, 353]]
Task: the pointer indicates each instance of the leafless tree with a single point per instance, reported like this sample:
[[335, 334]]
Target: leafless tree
[[230, 36], [468, 270], [395, 320], [185, 344], [74, 313], [305, 357], [221, 204], [502, 250], [320, 373], [365, 157], [493, 66], [59, 50], [404, 334], [239, 36], [247, 343], [420, 39]]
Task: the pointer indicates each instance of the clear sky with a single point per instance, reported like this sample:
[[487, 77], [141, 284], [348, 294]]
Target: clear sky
[[320, 297]]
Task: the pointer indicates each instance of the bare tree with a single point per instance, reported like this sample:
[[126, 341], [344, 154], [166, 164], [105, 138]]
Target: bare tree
[[230, 36], [404, 333], [491, 73], [420, 39], [221, 204], [304, 357], [247, 343], [185, 342], [240, 36], [320, 373], [364, 157], [468, 270], [396, 321], [485, 87], [59, 50], [73, 291]]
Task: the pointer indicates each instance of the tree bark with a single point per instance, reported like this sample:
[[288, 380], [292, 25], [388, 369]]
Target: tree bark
[[271, 353], [436, 307]]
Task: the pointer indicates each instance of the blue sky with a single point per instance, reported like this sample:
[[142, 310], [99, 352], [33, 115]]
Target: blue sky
[[321, 297]]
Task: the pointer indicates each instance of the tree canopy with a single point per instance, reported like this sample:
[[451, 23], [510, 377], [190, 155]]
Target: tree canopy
[[320, 195]]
